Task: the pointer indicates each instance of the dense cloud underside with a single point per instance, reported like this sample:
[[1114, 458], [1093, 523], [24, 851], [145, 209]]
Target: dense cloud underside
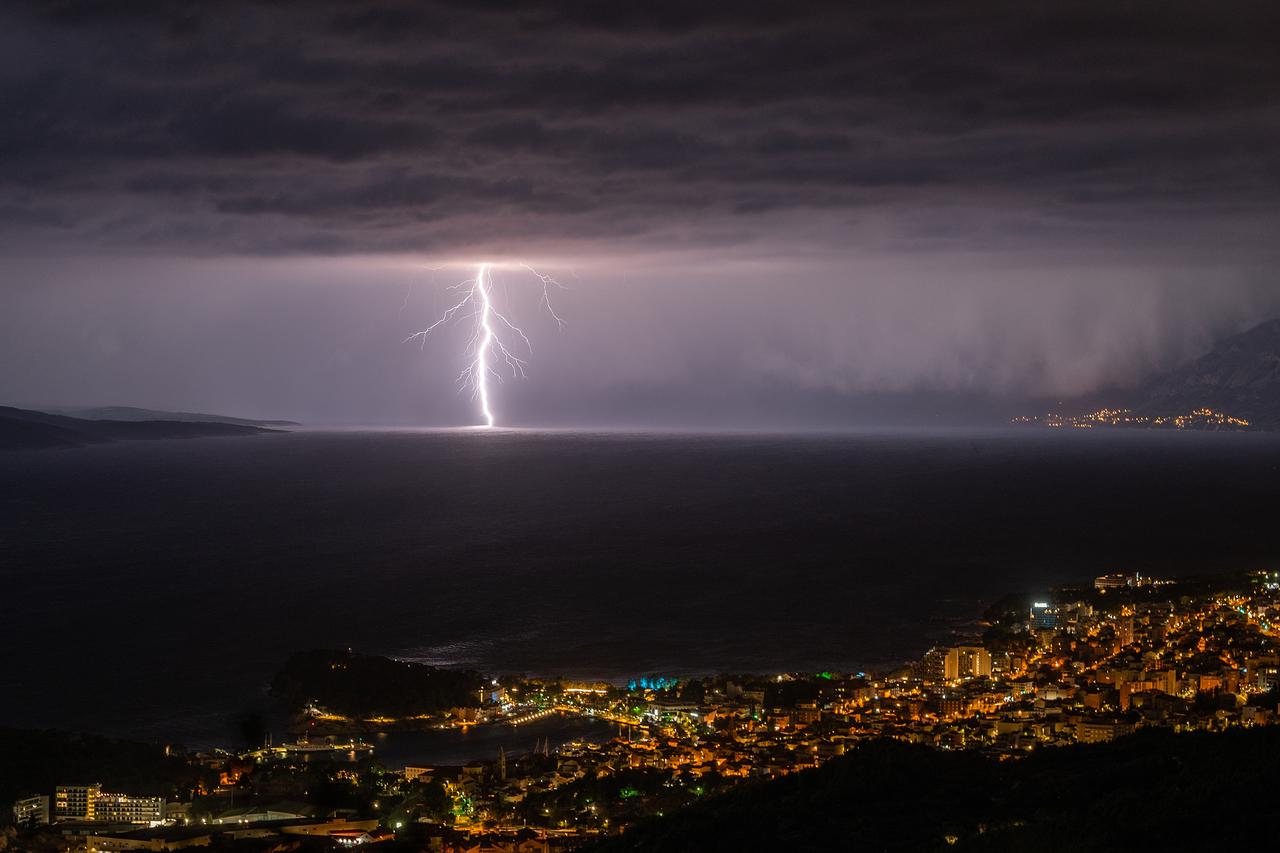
[[981, 149], [313, 127]]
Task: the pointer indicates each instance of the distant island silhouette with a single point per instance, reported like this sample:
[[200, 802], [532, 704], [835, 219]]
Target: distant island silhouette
[[27, 429]]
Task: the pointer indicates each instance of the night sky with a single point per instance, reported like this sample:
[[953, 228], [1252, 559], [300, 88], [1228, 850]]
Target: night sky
[[763, 212]]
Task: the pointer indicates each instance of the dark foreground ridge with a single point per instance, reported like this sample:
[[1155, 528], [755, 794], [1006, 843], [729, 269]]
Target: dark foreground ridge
[[26, 429], [1155, 790]]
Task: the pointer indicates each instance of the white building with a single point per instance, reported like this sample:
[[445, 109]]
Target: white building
[[32, 811]]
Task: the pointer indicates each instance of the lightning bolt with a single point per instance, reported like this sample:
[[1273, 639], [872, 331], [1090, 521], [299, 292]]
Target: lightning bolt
[[487, 347]]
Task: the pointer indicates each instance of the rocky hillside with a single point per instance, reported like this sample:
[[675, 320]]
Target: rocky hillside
[[1234, 386], [1240, 376]]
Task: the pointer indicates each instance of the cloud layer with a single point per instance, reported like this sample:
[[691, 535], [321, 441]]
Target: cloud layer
[[331, 128]]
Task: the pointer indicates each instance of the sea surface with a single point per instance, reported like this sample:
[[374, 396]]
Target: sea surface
[[150, 589]]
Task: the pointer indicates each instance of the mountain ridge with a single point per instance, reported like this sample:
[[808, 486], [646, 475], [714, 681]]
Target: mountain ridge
[[1240, 376], [1235, 385]]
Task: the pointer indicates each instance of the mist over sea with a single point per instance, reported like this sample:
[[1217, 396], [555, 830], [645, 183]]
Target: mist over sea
[[150, 589]]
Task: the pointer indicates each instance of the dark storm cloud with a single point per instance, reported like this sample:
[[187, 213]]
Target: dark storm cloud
[[288, 127]]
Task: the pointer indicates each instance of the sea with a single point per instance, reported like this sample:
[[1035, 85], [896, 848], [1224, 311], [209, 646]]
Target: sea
[[150, 589]]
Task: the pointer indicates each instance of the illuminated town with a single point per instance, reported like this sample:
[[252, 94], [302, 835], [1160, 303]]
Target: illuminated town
[[1078, 666], [1202, 418]]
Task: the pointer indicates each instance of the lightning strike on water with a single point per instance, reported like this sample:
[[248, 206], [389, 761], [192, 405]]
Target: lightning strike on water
[[486, 345]]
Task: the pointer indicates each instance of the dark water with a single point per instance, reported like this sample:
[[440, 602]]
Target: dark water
[[397, 749], [152, 588]]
